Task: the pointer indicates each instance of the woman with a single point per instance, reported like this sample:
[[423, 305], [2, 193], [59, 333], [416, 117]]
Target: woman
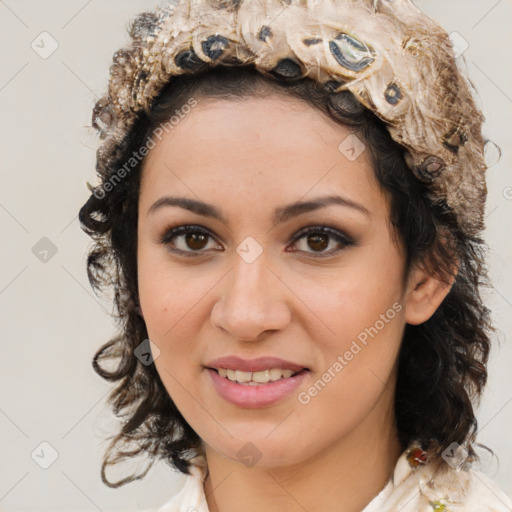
[[290, 206]]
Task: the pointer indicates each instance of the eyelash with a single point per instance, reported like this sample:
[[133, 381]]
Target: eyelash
[[173, 232]]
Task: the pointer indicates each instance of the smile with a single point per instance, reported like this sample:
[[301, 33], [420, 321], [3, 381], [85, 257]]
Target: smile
[[250, 393], [255, 378]]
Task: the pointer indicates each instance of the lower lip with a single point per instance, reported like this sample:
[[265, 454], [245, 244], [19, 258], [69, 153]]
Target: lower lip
[[255, 396]]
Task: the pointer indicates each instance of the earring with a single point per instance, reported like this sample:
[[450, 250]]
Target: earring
[[416, 456]]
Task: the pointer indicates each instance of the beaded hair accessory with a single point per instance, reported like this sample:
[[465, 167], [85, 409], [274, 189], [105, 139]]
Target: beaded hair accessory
[[396, 61]]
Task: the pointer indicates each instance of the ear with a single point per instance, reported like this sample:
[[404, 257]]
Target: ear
[[424, 295]]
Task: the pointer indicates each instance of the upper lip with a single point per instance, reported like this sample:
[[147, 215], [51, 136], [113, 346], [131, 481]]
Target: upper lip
[[254, 365]]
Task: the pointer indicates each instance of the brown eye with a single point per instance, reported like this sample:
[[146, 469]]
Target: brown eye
[[316, 239], [188, 240], [196, 241], [318, 242]]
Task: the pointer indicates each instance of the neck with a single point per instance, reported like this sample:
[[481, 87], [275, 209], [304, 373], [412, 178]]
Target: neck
[[351, 471]]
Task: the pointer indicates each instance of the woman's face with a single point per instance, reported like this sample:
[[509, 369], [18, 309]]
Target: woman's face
[[251, 284]]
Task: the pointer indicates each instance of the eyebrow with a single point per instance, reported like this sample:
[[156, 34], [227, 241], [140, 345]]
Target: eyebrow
[[281, 214]]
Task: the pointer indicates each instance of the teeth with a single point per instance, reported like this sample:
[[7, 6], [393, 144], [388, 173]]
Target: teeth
[[255, 378], [242, 376], [276, 373], [263, 376]]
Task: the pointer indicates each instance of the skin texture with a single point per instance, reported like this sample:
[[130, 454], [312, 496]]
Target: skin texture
[[248, 158]]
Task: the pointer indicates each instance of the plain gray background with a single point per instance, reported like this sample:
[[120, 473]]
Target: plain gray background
[[52, 323]]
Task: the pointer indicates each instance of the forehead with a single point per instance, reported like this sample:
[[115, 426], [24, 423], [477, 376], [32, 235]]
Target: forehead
[[260, 149]]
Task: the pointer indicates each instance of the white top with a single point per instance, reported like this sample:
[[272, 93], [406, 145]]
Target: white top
[[410, 489]]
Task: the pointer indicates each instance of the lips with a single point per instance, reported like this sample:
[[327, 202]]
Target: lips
[[258, 395], [254, 365]]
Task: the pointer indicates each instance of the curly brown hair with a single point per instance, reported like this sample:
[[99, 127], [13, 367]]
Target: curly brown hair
[[442, 362]]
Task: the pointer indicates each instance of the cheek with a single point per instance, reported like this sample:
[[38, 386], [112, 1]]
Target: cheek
[[173, 302], [168, 308], [357, 298], [364, 312], [156, 295], [167, 303], [166, 292]]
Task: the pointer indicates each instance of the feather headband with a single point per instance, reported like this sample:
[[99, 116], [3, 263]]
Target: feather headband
[[394, 59]]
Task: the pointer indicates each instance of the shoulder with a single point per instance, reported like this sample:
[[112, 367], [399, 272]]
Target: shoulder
[[421, 486], [485, 495], [191, 497], [443, 488]]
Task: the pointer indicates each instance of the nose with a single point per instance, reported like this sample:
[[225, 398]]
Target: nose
[[253, 300]]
